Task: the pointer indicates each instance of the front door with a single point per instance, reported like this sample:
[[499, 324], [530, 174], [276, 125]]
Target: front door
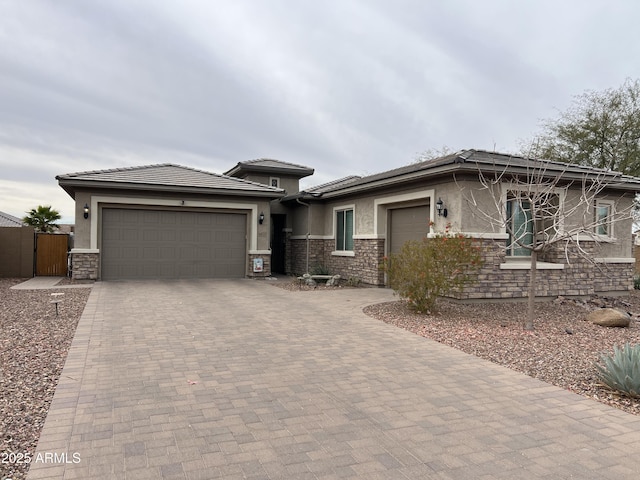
[[278, 243]]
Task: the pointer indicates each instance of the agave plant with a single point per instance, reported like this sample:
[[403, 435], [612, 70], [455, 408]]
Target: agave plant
[[621, 371]]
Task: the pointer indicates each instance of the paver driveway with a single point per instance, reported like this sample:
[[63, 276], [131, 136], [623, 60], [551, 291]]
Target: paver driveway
[[240, 379]]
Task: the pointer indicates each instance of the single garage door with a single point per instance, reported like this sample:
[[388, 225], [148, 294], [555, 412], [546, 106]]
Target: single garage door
[[172, 244], [410, 223]]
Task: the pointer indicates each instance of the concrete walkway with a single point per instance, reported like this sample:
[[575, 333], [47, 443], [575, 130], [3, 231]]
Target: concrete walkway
[[46, 283], [240, 379]]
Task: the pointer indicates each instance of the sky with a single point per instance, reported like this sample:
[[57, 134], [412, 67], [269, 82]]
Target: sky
[[348, 87]]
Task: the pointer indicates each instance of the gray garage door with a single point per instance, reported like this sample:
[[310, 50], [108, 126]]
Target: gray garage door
[[410, 223], [172, 244]]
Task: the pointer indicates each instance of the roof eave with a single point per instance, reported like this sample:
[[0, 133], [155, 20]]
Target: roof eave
[[70, 187], [391, 181], [617, 182], [294, 172], [613, 180]]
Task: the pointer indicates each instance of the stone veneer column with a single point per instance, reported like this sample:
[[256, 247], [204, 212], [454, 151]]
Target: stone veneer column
[[84, 264], [266, 265]]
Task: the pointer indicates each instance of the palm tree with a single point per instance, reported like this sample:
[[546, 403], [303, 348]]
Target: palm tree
[[43, 218]]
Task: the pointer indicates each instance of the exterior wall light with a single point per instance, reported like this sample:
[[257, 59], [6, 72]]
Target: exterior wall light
[[261, 218], [86, 210], [442, 212]]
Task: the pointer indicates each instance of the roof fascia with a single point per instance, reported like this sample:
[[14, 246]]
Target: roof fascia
[[68, 185], [617, 183], [294, 171], [613, 181]]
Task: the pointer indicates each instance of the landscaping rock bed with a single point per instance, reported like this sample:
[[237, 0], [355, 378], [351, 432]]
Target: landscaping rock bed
[[33, 347]]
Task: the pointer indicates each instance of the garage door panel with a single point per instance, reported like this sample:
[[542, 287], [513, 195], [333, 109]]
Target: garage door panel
[[204, 236], [172, 244], [148, 217], [409, 223], [150, 252]]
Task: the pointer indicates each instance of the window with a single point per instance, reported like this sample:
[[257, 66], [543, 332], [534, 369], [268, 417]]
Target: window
[[603, 219], [519, 227], [275, 182], [344, 230]]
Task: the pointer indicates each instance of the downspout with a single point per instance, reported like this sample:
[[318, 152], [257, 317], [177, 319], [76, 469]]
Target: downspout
[[308, 226]]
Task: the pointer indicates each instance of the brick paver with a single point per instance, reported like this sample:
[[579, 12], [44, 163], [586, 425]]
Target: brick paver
[[240, 379]]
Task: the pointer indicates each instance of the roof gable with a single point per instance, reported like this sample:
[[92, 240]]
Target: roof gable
[[165, 177]]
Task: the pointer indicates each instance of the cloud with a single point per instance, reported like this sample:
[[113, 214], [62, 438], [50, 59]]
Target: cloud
[[344, 86]]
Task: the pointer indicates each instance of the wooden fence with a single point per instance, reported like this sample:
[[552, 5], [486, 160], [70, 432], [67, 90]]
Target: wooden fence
[[16, 252]]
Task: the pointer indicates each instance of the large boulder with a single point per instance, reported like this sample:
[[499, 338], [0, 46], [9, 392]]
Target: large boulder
[[609, 317]]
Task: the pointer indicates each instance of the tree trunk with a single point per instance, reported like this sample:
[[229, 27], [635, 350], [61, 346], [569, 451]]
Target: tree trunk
[[528, 324]]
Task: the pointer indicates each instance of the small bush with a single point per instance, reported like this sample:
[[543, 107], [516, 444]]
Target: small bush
[[427, 269], [636, 282], [621, 371], [319, 270], [353, 281]]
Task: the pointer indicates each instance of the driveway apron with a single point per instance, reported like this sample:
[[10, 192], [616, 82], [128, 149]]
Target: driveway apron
[[206, 379]]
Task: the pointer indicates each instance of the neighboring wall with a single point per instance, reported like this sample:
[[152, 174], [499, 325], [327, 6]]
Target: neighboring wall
[[16, 252]]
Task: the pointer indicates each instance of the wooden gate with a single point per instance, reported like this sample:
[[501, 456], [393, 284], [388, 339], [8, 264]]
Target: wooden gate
[[51, 254]]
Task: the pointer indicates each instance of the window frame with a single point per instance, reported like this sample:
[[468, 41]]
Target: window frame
[[514, 249], [608, 219], [523, 193], [343, 231], [277, 181]]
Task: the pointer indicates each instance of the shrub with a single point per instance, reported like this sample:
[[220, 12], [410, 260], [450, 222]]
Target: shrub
[[621, 371], [424, 270], [319, 270], [636, 282], [353, 281]]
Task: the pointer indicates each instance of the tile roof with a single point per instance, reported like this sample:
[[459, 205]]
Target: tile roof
[[326, 187], [270, 165], [165, 176], [474, 160], [7, 220]]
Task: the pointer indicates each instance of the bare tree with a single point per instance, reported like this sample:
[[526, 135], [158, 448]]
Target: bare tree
[[540, 204]]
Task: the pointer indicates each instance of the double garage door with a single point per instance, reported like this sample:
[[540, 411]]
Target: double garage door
[[172, 244]]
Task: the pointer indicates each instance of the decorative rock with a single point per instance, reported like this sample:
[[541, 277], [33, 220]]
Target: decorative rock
[[333, 281], [609, 317]]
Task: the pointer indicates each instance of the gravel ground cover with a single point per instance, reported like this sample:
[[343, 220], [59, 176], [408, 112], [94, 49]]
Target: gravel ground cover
[[33, 348], [561, 350]]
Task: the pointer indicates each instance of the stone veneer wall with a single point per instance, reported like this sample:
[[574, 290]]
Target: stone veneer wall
[[613, 277], [266, 266], [298, 255], [364, 265], [579, 277], [84, 266]]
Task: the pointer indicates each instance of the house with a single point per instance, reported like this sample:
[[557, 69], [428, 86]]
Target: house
[[7, 220], [173, 221], [168, 221]]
